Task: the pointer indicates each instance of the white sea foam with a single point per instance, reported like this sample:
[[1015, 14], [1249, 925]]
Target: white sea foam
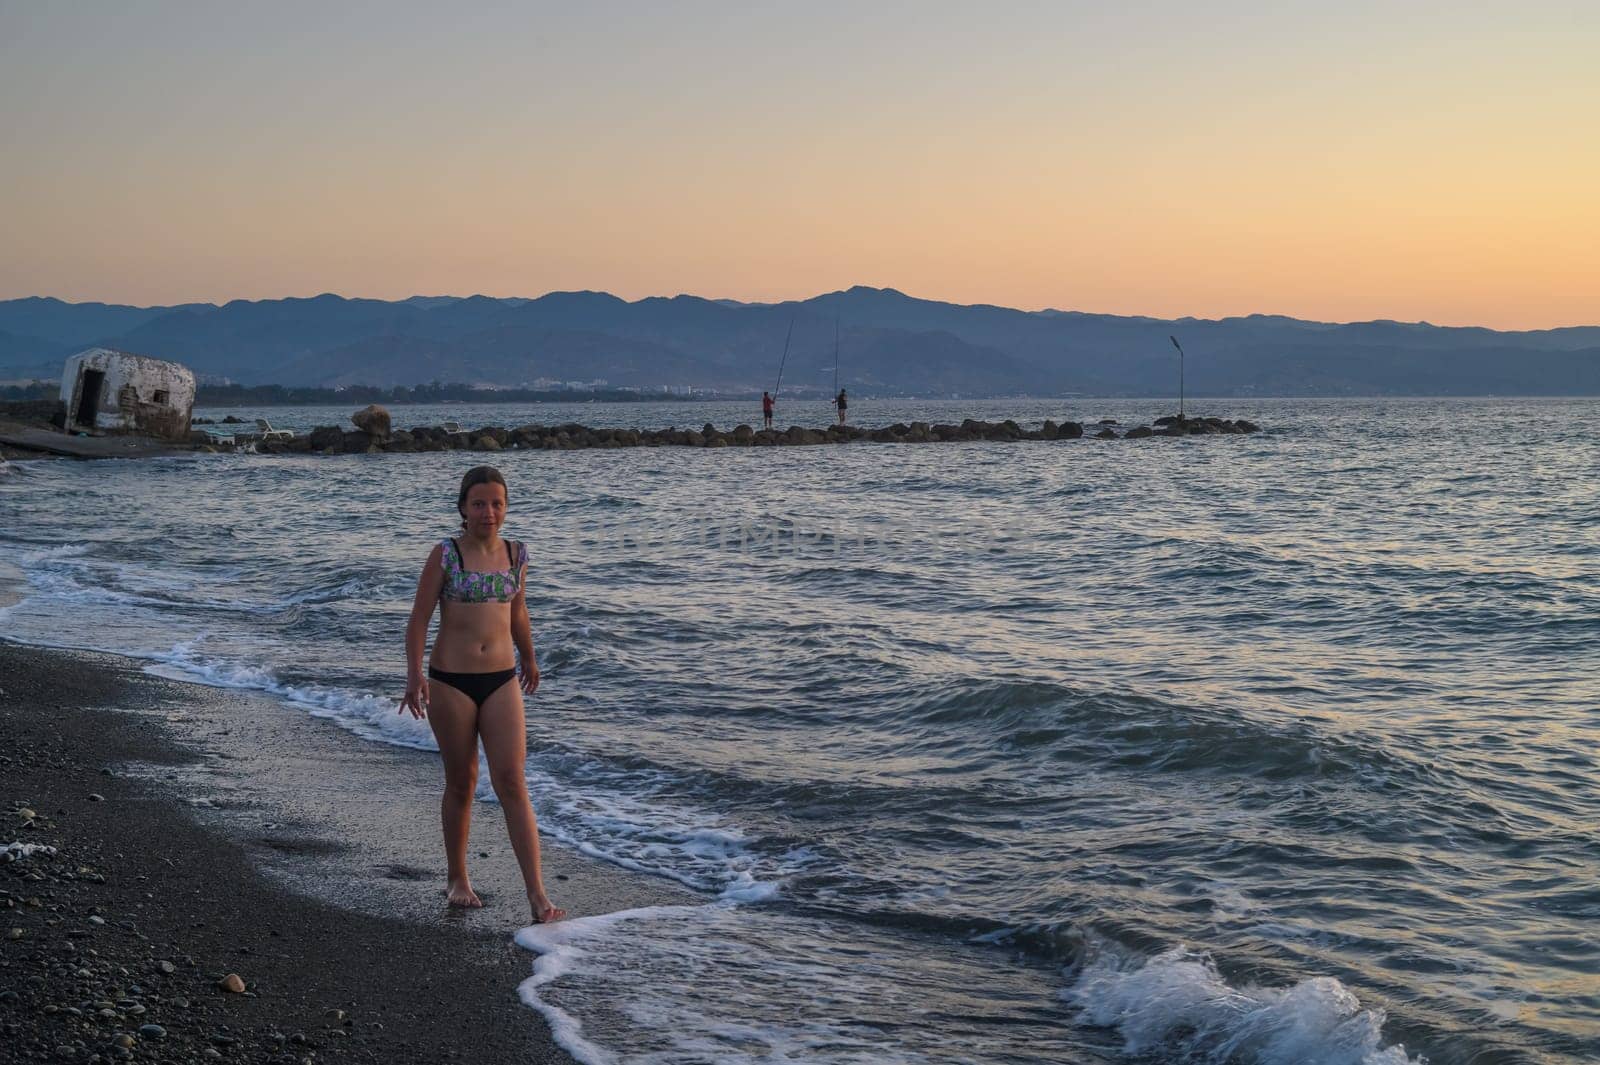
[[356, 588], [369, 716], [33, 556], [561, 950], [745, 888], [758, 984], [1177, 1002], [662, 839]]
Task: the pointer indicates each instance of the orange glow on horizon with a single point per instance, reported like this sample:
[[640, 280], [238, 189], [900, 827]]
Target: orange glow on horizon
[[1227, 163]]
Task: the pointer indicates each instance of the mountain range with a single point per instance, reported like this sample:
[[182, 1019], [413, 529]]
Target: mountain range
[[888, 343]]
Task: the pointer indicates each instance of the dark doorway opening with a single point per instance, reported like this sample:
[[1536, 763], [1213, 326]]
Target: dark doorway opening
[[89, 396]]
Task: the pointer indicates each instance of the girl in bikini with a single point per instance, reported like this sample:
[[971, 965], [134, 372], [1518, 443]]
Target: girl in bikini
[[472, 690]]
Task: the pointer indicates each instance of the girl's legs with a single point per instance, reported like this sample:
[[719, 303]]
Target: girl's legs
[[454, 721], [505, 744]]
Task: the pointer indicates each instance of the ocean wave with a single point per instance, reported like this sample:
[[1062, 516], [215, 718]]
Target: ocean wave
[[560, 951], [30, 556], [1137, 732], [633, 820], [74, 573], [1176, 1005], [369, 716], [764, 985]]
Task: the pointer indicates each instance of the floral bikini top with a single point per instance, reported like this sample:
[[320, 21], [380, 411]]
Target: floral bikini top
[[462, 585]]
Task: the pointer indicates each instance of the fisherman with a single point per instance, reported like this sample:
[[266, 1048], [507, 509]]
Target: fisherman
[[842, 402], [766, 410]]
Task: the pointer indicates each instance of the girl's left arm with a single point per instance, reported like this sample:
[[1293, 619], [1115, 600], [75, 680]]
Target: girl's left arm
[[522, 636]]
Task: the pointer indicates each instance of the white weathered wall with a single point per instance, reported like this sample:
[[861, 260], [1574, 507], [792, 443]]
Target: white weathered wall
[[127, 395]]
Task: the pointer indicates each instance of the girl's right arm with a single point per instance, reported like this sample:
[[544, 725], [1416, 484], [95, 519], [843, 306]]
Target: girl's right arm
[[429, 585]]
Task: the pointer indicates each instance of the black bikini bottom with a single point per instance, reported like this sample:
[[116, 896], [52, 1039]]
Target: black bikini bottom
[[475, 686]]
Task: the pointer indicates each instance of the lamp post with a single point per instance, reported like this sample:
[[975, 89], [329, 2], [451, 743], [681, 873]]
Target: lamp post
[[1180, 374]]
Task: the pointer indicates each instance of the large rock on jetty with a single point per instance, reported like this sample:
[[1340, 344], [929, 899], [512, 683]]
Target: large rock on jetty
[[327, 438], [372, 420]]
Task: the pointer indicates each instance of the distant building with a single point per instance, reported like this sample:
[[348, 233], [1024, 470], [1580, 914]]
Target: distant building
[[118, 392]]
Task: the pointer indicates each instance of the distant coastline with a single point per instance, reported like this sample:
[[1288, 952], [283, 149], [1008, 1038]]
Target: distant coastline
[[871, 341], [225, 397]]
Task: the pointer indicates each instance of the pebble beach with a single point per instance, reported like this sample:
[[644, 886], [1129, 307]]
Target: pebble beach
[[135, 930]]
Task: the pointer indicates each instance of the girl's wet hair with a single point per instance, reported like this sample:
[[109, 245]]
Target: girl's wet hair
[[474, 477]]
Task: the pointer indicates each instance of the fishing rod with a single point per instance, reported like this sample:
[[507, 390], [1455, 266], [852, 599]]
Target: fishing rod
[[836, 355], [779, 387], [1180, 374]]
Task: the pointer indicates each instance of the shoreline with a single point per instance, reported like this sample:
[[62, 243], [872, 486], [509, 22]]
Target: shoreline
[[213, 831]]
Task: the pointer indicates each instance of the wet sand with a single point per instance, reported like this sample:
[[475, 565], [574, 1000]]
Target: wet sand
[[200, 832]]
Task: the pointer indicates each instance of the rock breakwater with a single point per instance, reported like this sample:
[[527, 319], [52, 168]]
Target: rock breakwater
[[330, 439]]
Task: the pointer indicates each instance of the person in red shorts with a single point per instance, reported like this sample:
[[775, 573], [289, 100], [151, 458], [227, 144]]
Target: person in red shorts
[[766, 410]]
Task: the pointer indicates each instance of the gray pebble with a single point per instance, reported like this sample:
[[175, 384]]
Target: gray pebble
[[152, 1031]]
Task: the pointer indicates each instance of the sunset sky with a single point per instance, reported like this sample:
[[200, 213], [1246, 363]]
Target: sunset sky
[[1417, 161]]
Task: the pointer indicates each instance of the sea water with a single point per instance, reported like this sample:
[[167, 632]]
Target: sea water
[[1277, 748]]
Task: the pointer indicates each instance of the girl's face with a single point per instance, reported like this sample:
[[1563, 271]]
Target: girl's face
[[486, 509]]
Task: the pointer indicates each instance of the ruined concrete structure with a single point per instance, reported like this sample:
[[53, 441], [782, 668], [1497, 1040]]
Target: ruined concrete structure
[[119, 392]]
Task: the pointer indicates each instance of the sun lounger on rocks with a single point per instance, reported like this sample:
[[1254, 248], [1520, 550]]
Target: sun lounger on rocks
[[267, 432]]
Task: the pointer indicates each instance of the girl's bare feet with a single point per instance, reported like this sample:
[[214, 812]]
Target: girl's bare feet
[[461, 894], [544, 911]]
